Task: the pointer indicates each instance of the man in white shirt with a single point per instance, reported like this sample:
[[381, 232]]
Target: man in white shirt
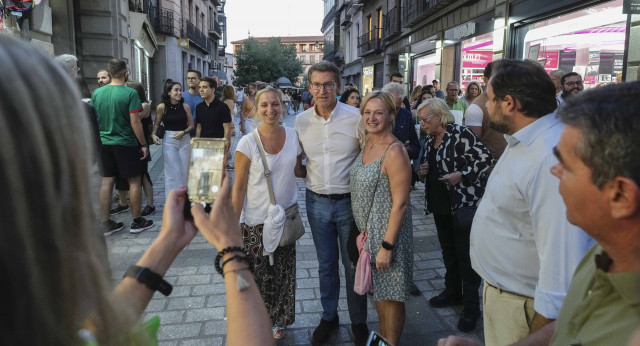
[[329, 137], [521, 242]]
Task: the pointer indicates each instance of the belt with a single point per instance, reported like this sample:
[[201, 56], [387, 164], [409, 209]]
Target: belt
[[332, 197], [507, 292]]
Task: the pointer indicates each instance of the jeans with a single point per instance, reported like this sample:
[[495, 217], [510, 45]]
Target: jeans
[[176, 161], [330, 224], [459, 278]]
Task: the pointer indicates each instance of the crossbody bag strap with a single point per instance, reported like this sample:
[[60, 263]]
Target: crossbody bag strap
[[375, 189], [267, 172]]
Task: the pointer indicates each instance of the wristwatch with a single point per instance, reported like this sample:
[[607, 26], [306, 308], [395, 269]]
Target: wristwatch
[[150, 279], [387, 246]]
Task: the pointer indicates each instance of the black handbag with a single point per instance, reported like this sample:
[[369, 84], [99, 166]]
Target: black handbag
[[463, 217], [160, 131]]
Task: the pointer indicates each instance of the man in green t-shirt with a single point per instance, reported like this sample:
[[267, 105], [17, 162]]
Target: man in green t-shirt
[[456, 105], [124, 147]]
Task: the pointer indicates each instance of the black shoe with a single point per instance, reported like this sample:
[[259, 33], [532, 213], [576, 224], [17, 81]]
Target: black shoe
[[148, 210], [140, 224], [468, 321], [413, 289], [360, 334], [110, 227], [324, 329], [443, 300], [119, 209]]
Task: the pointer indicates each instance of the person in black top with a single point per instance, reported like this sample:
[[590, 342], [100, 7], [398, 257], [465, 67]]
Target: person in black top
[[213, 117], [175, 115]]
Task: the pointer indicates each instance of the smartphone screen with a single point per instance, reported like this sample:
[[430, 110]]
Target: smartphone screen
[[375, 339], [206, 166]]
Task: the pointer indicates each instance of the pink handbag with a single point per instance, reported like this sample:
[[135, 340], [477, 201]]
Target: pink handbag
[[362, 283]]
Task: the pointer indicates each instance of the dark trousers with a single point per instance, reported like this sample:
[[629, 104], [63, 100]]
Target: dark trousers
[[460, 277]]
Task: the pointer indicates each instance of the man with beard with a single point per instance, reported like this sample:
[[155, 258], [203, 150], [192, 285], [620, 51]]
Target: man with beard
[[104, 78], [521, 242], [571, 85]]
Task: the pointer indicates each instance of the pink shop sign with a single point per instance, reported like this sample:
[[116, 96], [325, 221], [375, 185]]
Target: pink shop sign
[[476, 58]]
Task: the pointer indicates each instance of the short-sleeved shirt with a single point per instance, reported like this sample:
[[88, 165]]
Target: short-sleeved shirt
[[601, 308], [281, 165], [458, 109], [211, 118], [114, 104], [192, 100]]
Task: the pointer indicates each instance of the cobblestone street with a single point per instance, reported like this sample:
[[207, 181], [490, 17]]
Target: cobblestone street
[[194, 314]]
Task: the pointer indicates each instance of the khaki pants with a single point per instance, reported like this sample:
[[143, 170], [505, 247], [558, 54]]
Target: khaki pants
[[507, 316]]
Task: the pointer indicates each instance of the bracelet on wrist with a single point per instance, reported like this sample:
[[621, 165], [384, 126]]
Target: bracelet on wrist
[[226, 251], [246, 259]]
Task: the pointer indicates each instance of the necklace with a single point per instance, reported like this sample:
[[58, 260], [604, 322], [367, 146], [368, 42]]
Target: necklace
[[378, 141]]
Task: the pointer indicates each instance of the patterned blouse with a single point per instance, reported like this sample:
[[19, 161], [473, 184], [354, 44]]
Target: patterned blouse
[[461, 151]]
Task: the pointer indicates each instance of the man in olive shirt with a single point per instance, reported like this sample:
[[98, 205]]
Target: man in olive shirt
[[456, 105], [599, 172]]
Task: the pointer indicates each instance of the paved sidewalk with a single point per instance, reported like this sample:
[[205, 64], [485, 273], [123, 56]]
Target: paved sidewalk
[[194, 314]]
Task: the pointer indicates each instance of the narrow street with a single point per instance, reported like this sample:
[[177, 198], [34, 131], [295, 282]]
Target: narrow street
[[194, 314]]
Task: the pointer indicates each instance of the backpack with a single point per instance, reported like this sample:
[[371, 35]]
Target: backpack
[[19, 5]]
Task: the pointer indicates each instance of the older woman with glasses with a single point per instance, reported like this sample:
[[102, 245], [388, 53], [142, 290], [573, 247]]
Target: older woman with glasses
[[455, 165]]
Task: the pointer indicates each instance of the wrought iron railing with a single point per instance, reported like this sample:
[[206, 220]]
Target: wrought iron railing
[[391, 25], [415, 10], [197, 37], [369, 42], [164, 21]]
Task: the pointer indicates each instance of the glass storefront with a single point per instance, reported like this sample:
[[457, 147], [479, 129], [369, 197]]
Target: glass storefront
[[424, 69], [590, 42], [477, 52], [367, 80]]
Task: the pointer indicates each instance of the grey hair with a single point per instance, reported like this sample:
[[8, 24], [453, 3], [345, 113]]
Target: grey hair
[[395, 88], [453, 82], [556, 73], [67, 61], [608, 120], [437, 106], [324, 66]]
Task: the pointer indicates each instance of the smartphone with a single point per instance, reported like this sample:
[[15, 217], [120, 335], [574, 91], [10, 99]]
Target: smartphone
[[375, 339], [206, 167]]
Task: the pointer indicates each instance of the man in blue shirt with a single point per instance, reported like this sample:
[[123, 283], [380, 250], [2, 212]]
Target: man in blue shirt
[[192, 95]]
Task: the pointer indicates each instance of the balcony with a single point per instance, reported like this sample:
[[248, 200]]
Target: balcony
[[391, 26], [329, 18], [215, 29], [413, 11], [354, 7], [164, 22], [197, 37], [345, 19], [370, 42]]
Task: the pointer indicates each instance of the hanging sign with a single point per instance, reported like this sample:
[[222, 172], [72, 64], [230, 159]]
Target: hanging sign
[[631, 7]]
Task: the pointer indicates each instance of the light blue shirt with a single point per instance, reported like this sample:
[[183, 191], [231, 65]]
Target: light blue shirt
[[521, 240], [192, 100]]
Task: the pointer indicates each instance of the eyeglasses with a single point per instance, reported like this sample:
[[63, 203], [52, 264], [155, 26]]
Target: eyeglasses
[[327, 86], [424, 120], [573, 83]]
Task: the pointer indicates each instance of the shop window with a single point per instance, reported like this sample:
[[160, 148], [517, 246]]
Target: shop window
[[379, 31], [590, 42], [477, 52], [424, 69]]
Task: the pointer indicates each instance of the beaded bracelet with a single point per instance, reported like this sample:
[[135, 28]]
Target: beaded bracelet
[[236, 258], [224, 252]]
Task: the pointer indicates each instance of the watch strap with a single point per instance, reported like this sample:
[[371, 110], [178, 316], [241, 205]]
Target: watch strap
[[152, 280], [387, 246]]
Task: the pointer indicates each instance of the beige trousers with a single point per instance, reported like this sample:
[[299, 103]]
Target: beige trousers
[[507, 316]]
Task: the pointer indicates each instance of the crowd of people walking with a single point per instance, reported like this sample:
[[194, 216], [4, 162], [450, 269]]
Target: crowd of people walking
[[551, 227]]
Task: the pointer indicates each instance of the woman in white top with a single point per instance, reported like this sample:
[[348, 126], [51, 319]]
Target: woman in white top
[[277, 282]]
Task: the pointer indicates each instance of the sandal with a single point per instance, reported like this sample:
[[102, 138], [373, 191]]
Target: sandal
[[278, 333]]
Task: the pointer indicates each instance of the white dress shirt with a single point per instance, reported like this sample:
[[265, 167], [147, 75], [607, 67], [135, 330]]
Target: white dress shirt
[[331, 147], [521, 240]]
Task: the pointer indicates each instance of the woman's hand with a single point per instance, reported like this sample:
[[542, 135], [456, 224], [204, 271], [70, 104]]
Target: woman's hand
[[178, 136], [220, 227], [451, 179], [155, 139], [175, 230], [383, 260], [423, 169]]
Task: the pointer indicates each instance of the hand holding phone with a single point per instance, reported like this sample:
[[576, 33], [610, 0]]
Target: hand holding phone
[[206, 168]]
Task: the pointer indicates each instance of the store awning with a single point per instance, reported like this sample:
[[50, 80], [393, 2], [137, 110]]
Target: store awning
[[142, 32]]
